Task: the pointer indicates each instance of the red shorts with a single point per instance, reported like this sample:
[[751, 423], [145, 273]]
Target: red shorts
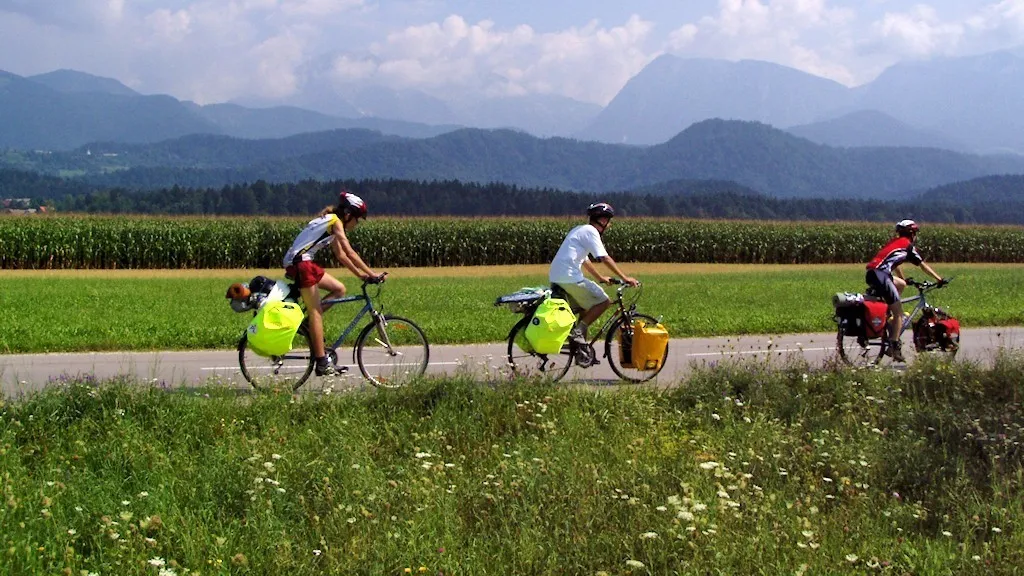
[[306, 273]]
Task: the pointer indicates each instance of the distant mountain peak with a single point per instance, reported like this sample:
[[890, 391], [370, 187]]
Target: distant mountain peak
[[671, 93], [73, 81]]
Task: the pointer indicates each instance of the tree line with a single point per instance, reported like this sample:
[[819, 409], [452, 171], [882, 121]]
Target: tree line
[[689, 199]]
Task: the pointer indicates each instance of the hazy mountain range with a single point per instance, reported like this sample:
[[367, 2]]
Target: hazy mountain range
[[754, 155], [967, 104]]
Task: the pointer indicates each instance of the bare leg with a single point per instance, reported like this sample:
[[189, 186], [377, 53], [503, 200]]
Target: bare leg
[[314, 317], [896, 309], [334, 287], [592, 314]]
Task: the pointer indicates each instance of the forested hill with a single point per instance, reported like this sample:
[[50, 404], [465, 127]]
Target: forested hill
[[751, 154], [694, 199]]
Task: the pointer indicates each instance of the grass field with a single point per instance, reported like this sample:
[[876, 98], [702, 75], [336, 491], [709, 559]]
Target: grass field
[[743, 469], [49, 311]]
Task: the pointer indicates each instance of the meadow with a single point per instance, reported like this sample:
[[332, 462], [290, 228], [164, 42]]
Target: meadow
[[63, 311], [742, 469]]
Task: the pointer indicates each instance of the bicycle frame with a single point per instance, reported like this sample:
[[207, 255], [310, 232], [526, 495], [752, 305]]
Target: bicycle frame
[[367, 308], [922, 302], [620, 311], [908, 318]]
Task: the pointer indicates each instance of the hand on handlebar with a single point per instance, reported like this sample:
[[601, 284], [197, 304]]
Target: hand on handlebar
[[378, 279]]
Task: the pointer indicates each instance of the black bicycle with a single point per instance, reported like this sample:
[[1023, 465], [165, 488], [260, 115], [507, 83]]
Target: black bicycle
[[928, 323], [390, 351], [617, 331]]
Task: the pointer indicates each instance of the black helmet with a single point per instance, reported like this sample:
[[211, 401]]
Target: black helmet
[[907, 227], [600, 210]]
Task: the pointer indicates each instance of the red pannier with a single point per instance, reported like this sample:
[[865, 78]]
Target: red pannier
[[875, 314], [951, 326], [936, 329]]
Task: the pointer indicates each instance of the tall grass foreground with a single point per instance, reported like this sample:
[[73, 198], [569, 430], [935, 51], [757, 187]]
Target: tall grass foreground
[[741, 469]]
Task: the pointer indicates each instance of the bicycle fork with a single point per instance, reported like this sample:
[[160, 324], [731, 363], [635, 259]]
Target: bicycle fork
[[382, 334]]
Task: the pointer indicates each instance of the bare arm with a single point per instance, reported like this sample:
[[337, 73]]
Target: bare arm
[[928, 270], [610, 263], [594, 273], [347, 255]]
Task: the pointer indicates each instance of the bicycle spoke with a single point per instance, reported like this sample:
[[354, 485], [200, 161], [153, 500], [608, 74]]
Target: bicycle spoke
[[397, 357]]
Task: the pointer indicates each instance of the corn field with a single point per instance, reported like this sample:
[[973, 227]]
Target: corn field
[[105, 242]]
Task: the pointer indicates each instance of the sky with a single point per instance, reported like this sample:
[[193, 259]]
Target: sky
[[212, 51]]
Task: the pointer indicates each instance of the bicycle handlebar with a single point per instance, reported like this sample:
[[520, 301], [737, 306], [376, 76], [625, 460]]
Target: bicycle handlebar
[[929, 285], [375, 279]]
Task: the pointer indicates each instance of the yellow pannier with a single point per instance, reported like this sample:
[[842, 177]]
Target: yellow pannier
[[273, 329], [649, 344], [550, 326]]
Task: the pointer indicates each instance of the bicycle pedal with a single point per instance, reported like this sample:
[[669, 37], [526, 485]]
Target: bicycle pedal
[[585, 357]]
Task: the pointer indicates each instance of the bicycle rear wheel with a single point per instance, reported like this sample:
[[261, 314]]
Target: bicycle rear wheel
[[392, 353], [290, 370], [858, 351], [615, 354], [527, 364]]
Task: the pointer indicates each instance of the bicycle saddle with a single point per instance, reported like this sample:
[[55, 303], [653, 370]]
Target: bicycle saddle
[[558, 292]]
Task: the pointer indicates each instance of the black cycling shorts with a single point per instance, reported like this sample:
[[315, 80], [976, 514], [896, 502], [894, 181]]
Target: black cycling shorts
[[884, 287]]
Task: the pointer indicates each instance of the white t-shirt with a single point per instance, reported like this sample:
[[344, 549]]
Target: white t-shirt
[[581, 241]]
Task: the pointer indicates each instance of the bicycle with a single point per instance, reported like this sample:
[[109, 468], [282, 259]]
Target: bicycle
[[856, 348], [390, 351], [524, 362]]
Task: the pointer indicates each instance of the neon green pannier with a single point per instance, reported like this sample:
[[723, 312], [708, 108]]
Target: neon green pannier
[[550, 326], [273, 329]]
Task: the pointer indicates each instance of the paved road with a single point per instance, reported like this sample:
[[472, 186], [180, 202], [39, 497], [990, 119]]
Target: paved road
[[24, 373]]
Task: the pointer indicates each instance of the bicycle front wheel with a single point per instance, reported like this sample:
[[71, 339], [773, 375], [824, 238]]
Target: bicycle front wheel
[[392, 352], [528, 364], [290, 370], [618, 358]]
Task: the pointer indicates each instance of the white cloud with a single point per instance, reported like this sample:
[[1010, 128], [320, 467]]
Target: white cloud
[[319, 7], [167, 26], [998, 25], [917, 33], [277, 59], [216, 50], [452, 56], [788, 32]]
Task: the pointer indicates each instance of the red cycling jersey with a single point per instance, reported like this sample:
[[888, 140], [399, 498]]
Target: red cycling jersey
[[893, 254]]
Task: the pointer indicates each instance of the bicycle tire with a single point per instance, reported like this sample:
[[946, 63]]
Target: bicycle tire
[[290, 370], [612, 351], [392, 366], [528, 364], [852, 353]]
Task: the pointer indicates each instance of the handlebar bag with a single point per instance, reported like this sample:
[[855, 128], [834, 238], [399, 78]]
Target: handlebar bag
[[550, 326], [273, 329]]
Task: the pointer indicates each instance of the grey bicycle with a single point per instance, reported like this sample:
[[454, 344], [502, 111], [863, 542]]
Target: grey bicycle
[[935, 332], [390, 351]]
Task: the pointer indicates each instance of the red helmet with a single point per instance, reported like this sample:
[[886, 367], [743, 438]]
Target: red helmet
[[907, 227], [349, 203], [600, 210]]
